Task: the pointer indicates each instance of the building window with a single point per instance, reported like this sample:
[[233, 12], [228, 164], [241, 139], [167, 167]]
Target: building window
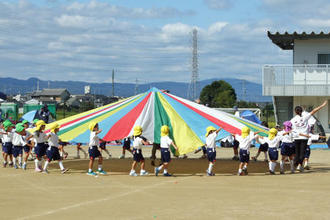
[[323, 59]]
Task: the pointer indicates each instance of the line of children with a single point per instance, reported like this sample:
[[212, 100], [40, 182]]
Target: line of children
[[138, 142]]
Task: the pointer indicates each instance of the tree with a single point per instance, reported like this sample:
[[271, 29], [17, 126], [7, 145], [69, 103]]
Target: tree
[[218, 94]]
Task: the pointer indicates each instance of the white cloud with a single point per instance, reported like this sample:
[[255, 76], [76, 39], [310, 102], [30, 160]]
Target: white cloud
[[218, 4], [216, 27]]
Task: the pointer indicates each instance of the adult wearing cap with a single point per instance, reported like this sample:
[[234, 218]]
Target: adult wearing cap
[[211, 136], [94, 144], [300, 129], [165, 143]]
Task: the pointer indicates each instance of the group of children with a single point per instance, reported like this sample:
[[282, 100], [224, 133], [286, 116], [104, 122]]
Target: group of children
[[294, 141]]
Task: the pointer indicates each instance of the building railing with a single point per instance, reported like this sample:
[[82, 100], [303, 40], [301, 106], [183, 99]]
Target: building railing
[[296, 80]]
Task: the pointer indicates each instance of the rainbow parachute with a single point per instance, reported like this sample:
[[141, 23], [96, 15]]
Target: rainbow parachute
[[151, 110]]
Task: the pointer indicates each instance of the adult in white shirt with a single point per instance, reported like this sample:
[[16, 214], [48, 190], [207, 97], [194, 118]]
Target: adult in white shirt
[[300, 129]]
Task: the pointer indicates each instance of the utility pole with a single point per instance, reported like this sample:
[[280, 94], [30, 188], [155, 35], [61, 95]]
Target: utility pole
[[113, 83], [193, 87], [38, 85]]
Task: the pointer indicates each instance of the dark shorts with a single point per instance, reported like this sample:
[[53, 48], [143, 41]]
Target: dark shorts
[[53, 154], [137, 155], [287, 149], [17, 150], [273, 153], [103, 145], [307, 152], [263, 147], [40, 149], [26, 149], [166, 155], [127, 145], [244, 156], [235, 144], [211, 154], [94, 152], [8, 148], [204, 150]]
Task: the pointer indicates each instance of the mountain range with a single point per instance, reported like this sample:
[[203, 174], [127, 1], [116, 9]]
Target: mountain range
[[245, 90]]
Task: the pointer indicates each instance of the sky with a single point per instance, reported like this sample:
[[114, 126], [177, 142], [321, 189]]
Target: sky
[[149, 40]]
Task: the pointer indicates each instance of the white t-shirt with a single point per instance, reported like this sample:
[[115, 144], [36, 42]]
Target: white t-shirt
[[94, 139], [275, 143], [210, 140], [245, 143], [313, 137], [137, 143], [300, 126], [1, 135], [53, 140], [288, 138], [165, 142], [8, 137], [41, 138], [18, 140]]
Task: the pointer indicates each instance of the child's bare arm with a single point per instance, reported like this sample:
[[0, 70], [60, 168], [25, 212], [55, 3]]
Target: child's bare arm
[[176, 147], [304, 135]]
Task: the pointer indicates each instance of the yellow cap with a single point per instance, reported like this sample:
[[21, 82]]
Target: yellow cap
[[164, 130], [39, 124], [137, 130], [209, 129], [245, 132], [92, 125], [272, 133], [54, 127]]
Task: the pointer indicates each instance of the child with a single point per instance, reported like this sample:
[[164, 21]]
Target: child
[[18, 144], [245, 140], [41, 147], [94, 143], [103, 145], [287, 147], [53, 151], [126, 147], [263, 147], [211, 135], [138, 141], [79, 148], [165, 143], [29, 144], [7, 146]]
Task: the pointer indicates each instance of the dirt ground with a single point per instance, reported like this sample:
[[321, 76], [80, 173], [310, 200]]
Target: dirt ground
[[188, 195]]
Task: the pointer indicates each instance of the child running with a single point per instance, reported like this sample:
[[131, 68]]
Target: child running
[[53, 151], [94, 144], [165, 144], [41, 147], [287, 147], [29, 144], [7, 143], [211, 136], [273, 142], [138, 141], [245, 140]]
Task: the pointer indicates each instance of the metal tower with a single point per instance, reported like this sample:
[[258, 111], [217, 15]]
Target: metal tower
[[113, 83], [193, 86]]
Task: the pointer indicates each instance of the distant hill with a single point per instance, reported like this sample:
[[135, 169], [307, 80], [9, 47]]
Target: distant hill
[[253, 91]]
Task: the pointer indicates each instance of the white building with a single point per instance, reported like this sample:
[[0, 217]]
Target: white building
[[306, 82]]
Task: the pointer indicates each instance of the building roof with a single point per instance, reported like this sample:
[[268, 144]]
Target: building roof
[[286, 40], [50, 92]]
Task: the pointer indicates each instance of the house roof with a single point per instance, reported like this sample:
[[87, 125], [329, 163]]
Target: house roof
[[50, 92], [286, 40]]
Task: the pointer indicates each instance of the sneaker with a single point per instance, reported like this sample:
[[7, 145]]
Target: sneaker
[[122, 157], [38, 170], [254, 159], [240, 174], [64, 171], [10, 164], [281, 172], [144, 173], [156, 171], [245, 172], [307, 168], [91, 173], [235, 158], [4, 164], [166, 174], [45, 171], [271, 172], [133, 174], [301, 169], [24, 167], [101, 172], [20, 165], [15, 166], [265, 160], [298, 167], [210, 174]]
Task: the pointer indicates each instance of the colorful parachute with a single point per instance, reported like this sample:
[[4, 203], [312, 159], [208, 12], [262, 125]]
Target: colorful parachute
[[187, 120]]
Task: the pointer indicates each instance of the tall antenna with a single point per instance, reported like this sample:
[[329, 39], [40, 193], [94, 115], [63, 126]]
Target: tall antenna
[[193, 87], [113, 83], [136, 87], [38, 85], [243, 90]]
